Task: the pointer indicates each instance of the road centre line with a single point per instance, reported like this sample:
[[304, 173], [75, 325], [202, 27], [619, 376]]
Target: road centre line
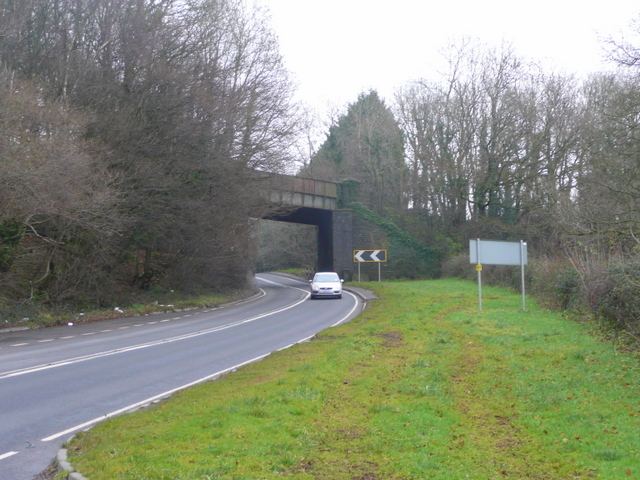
[[7, 455], [85, 358]]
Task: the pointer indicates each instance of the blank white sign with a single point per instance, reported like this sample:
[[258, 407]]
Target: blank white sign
[[493, 252]]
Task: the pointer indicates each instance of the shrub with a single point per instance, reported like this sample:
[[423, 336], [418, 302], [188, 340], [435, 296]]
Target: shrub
[[605, 289], [498, 275], [616, 301]]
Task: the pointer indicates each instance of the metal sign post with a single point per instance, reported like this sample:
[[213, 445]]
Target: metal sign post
[[367, 256], [498, 253], [479, 270], [523, 252]]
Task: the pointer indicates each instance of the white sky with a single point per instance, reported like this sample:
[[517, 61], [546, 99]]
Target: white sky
[[336, 49]]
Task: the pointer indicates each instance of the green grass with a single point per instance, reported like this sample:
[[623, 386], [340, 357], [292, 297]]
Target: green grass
[[145, 304], [420, 386]]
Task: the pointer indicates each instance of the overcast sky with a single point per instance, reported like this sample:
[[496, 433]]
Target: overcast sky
[[336, 49]]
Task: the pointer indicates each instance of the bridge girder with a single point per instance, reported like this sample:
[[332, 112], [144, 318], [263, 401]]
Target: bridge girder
[[314, 202]]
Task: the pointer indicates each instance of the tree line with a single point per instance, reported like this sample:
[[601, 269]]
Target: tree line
[[128, 128], [497, 148]]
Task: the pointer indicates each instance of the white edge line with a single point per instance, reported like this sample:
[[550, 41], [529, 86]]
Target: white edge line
[[203, 379], [7, 455], [344, 319], [72, 361], [151, 399], [306, 339]]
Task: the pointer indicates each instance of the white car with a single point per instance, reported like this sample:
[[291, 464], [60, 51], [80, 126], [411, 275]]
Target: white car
[[326, 284]]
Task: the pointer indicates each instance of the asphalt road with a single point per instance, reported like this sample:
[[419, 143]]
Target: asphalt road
[[57, 381]]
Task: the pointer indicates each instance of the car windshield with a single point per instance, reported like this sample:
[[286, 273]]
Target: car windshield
[[326, 277]]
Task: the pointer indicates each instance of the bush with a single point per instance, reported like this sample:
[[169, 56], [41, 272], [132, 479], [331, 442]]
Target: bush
[[499, 275], [606, 290], [556, 283], [617, 300]]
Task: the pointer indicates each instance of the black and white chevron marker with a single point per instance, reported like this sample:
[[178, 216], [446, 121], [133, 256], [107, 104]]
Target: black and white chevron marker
[[369, 255]]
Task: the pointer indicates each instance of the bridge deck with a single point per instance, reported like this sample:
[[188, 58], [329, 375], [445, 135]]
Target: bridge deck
[[302, 192]]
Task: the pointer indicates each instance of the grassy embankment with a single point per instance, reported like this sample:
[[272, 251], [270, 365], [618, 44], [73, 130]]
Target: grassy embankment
[[420, 386], [144, 304]]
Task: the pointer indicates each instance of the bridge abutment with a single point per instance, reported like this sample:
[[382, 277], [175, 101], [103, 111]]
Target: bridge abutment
[[343, 243]]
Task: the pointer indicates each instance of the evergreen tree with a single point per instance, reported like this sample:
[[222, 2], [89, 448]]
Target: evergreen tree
[[365, 144]]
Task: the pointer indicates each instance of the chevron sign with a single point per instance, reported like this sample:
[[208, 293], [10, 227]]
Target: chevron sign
[[369, 255]]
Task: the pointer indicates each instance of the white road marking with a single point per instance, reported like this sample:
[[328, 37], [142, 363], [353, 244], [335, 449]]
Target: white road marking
[[344, 319], [306, 339], [47, 340], [7, 455], [85, 358], [201, 380], [149, 400], [169, 392]]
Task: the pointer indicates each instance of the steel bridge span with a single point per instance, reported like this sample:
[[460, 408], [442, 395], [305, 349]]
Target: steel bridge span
[[319, 203]]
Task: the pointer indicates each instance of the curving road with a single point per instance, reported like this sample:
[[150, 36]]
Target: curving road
[[57, 381]]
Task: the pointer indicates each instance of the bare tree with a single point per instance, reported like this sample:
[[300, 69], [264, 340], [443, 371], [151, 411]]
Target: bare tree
[[626, 51], [59, 203], [184, 98], [494, 149]]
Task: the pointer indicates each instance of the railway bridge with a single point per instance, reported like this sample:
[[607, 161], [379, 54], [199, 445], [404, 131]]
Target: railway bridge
[[323, 204]]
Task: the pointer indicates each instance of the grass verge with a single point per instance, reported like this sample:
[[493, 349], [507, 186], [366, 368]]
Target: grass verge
[[145, 303], [420, 386]]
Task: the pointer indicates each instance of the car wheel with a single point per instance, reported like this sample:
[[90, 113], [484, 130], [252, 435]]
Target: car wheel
[[339, 296]]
